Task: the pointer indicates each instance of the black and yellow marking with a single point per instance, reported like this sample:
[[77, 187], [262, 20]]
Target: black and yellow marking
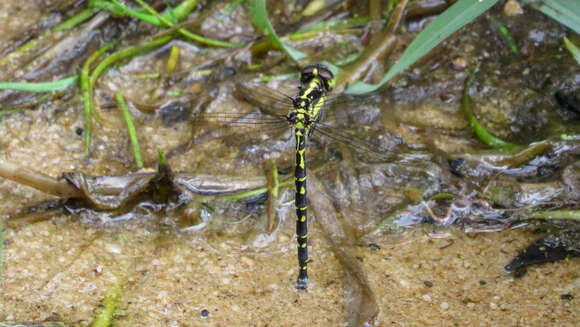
[[304, 112], [315, 82]]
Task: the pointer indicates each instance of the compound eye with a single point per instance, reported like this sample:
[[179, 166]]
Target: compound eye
[[308, 70], [325, 73]]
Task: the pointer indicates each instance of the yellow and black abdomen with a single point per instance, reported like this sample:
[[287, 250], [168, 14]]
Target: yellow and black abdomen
[[315, 82], [301, 206]]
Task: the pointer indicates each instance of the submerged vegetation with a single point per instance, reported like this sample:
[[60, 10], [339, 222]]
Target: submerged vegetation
[[443, 112]]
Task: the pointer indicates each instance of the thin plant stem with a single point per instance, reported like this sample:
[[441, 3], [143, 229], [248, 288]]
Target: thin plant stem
[[182, 31], [87, 92], [131, 128]]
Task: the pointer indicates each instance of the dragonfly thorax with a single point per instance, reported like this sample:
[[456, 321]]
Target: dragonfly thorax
[[300, 118]]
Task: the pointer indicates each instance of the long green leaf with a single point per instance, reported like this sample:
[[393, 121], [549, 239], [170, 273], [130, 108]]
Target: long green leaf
[[260, 17], [457, 16], [566, 12], [41, 87], [574, 50]]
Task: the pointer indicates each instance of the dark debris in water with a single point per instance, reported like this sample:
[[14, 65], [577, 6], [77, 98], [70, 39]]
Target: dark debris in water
[[551, 248], [173, 113], [204, 313], [568, 101], [567, 297]]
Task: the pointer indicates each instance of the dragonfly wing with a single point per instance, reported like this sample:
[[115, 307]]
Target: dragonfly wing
[[252, 125], [337, 99], [373, 150], [268, 100]]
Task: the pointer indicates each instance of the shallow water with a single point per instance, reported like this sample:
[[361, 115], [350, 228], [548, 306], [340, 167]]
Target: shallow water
[[60, 268]]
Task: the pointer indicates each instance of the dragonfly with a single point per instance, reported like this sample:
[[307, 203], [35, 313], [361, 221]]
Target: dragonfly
[[304, 114]]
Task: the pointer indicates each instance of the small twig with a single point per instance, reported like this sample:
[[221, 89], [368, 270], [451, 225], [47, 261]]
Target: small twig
[[38, 181], [273, 189]]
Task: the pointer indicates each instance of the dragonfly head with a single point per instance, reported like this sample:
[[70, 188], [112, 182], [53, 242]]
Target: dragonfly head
[[317, 71]]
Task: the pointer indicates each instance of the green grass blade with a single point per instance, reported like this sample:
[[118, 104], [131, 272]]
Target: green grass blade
[[178, 13], [511, 43], [574, 50], [87, 91], [7, 111], [123, 54], [566, 12], [132, 131], [457, 16], [482, 134], [563, 214], [40, 87], [182, 31], [107, 309], [75, 20], [230, 8], [260, 18]]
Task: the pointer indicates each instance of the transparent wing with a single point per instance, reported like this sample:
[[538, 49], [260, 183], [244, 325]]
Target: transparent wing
[[275, 101], [250, 123], [378, 149], [278, 103]]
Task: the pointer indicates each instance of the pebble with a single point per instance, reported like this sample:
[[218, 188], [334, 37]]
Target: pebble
[[113, 248], [247, 261], [512, 8], [204, 313], [426, 298], [459, 64], [444, 305]]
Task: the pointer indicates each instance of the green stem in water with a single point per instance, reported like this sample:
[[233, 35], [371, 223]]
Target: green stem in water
[[173, 59], [107, 310], [116, 8], [68, 24], [238, 196], [506, 35], [75, 20], [40, 87], [166, 22], [131, 129], [110, 60], [87, 92], [555, 214], [125, 53], [481, 133], [8, 111]]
